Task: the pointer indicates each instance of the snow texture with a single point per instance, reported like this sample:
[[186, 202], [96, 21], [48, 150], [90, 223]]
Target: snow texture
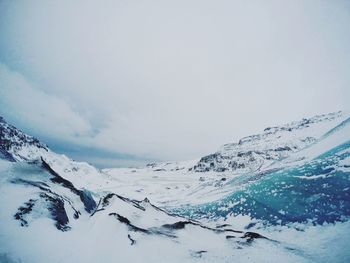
[[280, 196]]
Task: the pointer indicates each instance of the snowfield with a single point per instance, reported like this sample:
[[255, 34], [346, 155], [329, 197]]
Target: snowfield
[[279, 196]]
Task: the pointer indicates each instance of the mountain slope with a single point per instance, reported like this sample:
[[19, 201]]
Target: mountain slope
[[286, 199], [16, 145], [42, 191], [254, 153]]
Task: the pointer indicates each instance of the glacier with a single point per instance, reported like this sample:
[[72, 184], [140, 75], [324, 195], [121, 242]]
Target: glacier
[[317, 192], [278, 196]]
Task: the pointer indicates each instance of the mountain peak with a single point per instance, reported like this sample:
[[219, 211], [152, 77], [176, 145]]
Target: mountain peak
[[255, 152], [17, 145]]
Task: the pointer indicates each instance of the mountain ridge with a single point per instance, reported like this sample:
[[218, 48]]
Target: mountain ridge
[[53, 208], [254, 152]]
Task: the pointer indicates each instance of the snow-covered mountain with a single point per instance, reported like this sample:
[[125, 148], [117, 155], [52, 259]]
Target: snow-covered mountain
[[42, 191], [282, 195], [16, 145], [256, 152]]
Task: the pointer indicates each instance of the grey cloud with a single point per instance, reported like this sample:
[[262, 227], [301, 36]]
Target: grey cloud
[[176, 79]]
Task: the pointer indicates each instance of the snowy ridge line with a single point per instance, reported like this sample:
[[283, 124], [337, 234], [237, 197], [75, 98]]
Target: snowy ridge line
[[13, 141], [169, 227], [335, 129], [53, 204], [85, 197], [256, 152]]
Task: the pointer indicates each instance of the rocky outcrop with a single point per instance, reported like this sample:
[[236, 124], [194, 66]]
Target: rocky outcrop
[[12, 141], [252, 153]]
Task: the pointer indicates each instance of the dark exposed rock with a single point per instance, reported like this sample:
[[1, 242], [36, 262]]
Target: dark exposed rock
[[223, 225], [13, 138], [232, 230], [281, 149], [135, 203], [85, 196], [55, 205], [105, 200], [23, 211], [250, 236], [46, 189], [41, 185], [57, 211], [126, 221], [221, 169], [177, 225], [6, 155], [133, 241], [88, 201], [198, 254]]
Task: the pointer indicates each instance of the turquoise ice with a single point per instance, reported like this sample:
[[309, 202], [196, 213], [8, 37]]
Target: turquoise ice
[[316, 192]]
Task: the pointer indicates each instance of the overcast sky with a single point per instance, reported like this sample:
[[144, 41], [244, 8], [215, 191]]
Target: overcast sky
[[168, 80]]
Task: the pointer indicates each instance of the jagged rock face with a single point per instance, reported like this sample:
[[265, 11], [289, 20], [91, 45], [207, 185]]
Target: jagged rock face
[[16, 146], [12, 141], [49, 195], [255, 152]]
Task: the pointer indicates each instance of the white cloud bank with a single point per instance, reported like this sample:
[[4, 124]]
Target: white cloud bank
[[44, 113], [170, 79]]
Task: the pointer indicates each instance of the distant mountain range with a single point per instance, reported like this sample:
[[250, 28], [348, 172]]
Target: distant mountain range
[[55, 209], [255, 152]]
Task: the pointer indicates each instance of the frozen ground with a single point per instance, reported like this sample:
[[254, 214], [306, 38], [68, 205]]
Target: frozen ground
[[279, 206]]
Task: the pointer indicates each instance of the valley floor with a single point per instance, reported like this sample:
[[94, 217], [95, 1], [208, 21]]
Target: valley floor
[[292, 209]]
